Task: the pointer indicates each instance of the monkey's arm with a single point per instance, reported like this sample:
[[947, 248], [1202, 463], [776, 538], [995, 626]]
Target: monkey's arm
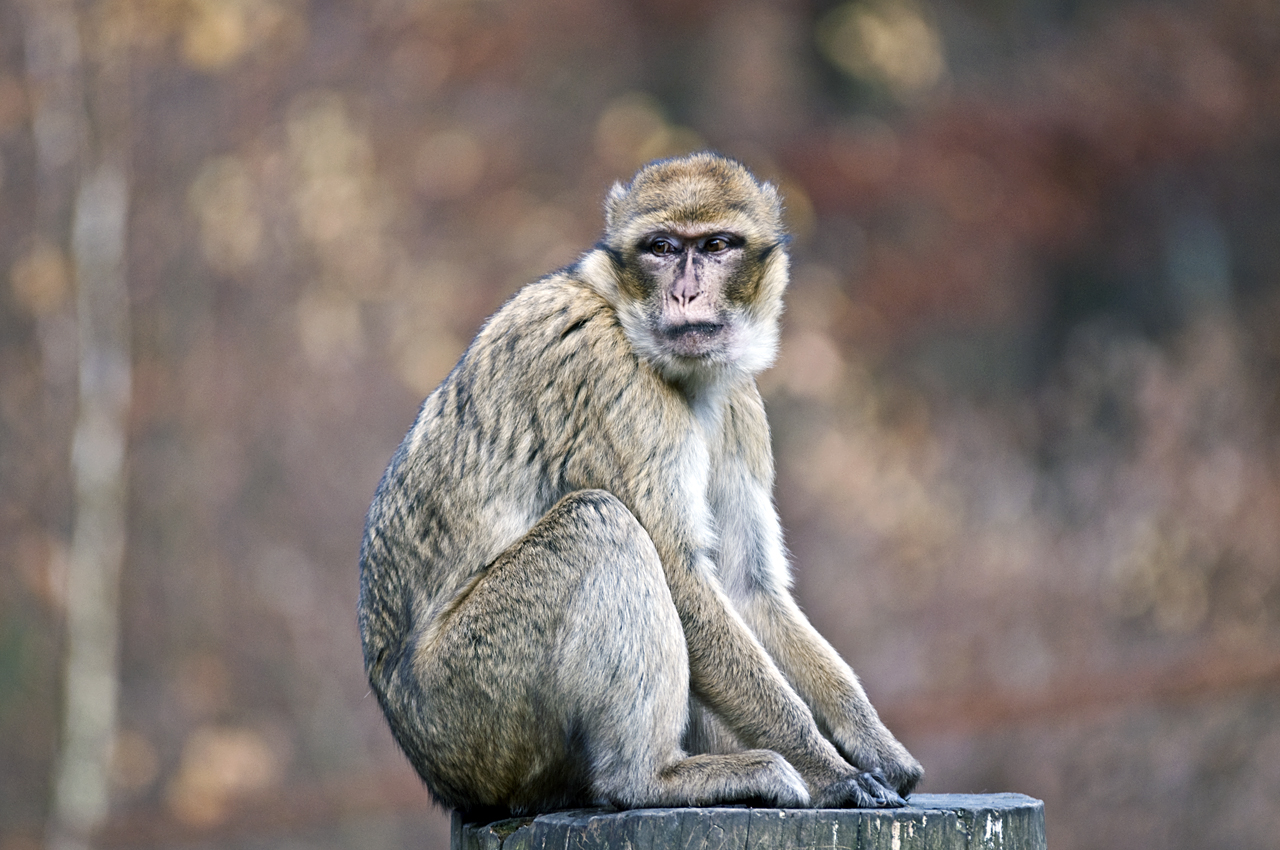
[[831, 689], [731, 672], [753, 563]]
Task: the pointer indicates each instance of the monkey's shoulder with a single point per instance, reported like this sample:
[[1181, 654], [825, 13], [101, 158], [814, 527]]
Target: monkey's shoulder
[[552, 321]]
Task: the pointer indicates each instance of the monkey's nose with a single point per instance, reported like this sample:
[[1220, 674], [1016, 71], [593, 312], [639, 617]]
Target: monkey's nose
[[686, 289]]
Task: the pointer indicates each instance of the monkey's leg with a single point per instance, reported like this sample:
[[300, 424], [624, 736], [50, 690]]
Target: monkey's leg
[[564, 677]]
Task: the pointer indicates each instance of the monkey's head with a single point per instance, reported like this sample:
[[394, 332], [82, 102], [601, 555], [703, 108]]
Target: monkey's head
[[694, 261]]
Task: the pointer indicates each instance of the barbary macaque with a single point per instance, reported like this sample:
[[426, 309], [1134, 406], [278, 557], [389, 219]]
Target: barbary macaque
[[573, 586]]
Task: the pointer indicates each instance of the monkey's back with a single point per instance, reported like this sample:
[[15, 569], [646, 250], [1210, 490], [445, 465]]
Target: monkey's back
[[531, 412]]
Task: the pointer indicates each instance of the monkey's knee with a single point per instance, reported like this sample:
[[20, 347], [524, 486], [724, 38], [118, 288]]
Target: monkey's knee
[[620, 586], [593, 522], [621, 621]]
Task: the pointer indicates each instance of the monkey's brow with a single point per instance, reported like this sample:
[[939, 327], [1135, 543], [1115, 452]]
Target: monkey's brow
[[689, 231]]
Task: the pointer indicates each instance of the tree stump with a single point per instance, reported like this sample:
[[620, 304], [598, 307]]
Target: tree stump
[[929, 822]]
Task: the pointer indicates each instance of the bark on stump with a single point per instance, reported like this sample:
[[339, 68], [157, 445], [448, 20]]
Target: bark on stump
[[929, 822]]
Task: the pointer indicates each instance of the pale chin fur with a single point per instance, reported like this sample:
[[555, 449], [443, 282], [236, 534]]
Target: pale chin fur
[[751, 347]]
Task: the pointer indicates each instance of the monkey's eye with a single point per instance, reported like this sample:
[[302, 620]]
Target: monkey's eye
[[662, 246], [715, 245]]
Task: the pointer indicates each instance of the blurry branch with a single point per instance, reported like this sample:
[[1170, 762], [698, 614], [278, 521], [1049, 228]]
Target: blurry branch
[[79, 132], [98, 468]]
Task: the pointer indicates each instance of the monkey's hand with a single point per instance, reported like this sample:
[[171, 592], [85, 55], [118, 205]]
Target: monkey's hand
[[866, 790], [881, 755]]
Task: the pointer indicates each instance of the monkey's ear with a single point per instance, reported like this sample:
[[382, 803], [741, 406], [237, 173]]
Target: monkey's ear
[[773, 198], [611, 204]]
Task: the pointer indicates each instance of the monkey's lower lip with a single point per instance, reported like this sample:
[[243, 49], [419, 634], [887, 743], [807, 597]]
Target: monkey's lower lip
[[693, 339]]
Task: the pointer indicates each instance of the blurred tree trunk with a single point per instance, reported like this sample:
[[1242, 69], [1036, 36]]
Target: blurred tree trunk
[[81, 132]]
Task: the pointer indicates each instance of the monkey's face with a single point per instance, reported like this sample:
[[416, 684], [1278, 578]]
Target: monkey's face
[[689, 277], [700, 298]]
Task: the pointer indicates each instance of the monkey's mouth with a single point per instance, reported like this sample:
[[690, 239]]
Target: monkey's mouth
[[693, 339]]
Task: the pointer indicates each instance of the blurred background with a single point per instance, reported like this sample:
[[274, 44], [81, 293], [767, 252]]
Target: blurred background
[[1026, 412]]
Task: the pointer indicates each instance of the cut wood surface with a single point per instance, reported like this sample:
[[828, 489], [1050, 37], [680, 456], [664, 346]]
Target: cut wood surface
[[929, 822]]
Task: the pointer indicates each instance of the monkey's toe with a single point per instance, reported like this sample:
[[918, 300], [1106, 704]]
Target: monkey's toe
[[789, 790]]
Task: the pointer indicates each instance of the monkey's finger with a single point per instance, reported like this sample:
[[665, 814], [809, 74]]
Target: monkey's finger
[[874, 784], [861, 791]]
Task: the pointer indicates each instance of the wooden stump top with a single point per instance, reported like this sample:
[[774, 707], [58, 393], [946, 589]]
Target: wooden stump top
[[929, 822]]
